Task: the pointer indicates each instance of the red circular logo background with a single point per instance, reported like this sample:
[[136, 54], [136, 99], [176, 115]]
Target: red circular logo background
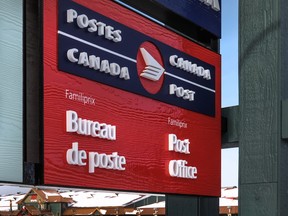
[[150, 86]]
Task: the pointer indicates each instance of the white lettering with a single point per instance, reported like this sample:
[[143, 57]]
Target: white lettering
[[189, 67], [114, 69], [180, 92], [177, 122], [124, 73], [70, 55], [80, 97], [101, 28], [95, 63], [178, 168], [93, 25], [109, 33], [88, 127], [105, 67], [82, 21], [117, 36], [71, 15], [83, 59], [177, 145], [111, 161], [76, 157]]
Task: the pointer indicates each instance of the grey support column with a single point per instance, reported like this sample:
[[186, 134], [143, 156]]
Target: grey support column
[[263, 76]]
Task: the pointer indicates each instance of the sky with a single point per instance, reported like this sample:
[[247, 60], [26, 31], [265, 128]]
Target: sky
[[229, 52]]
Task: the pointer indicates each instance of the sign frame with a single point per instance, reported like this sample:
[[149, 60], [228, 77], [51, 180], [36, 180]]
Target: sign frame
[[70, 151]]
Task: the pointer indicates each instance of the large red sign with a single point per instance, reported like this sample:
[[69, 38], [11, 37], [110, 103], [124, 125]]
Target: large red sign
[[128, 104]]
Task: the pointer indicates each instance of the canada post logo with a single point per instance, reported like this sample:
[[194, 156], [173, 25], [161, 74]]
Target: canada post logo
[[153, 70], [97, 48]]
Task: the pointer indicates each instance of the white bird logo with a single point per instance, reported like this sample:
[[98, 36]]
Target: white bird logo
[[153, 70]]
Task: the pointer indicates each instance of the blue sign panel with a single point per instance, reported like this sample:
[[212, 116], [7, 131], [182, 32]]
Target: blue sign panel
[[95, 47], [205, 13]]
